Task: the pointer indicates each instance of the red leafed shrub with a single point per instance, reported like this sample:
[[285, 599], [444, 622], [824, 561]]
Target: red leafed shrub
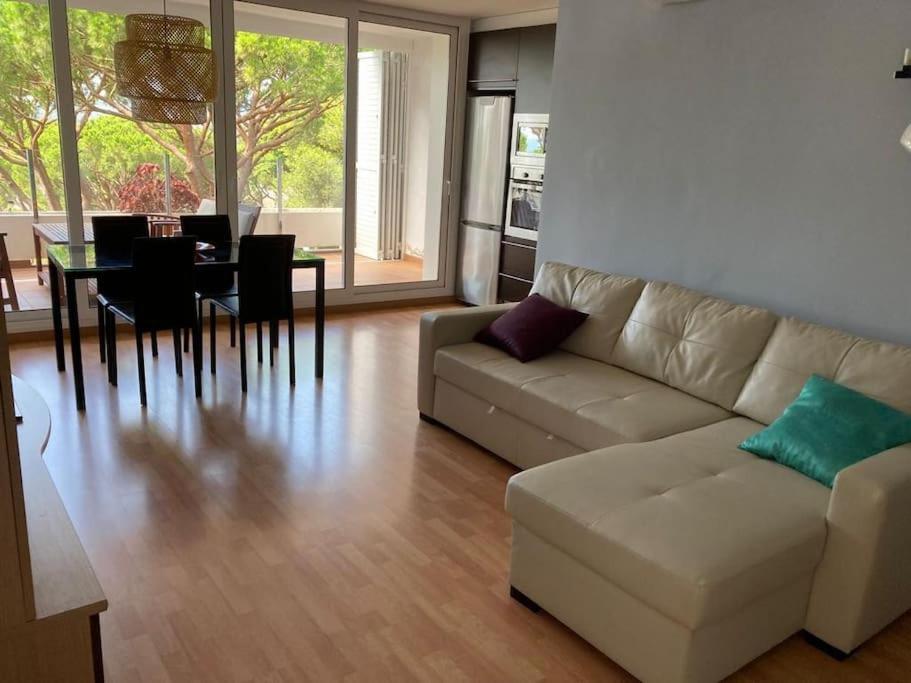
[[144, 193]]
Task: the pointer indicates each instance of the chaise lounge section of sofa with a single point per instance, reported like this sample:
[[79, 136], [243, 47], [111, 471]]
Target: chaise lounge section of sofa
[[638, 522]]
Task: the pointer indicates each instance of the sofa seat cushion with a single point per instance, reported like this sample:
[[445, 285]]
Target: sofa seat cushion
[[586, 402], [689, 524]]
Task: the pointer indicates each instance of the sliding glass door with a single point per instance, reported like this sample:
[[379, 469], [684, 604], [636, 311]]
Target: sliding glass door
[[289, 81], [403, 133], [31, 179]]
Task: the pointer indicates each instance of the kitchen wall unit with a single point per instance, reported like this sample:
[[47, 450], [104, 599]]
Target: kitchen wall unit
[[518, 61]]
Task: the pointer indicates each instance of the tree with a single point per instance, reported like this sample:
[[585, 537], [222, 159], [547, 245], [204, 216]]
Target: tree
[[288, 94], [28, 106], [284, 86], [145, 192]]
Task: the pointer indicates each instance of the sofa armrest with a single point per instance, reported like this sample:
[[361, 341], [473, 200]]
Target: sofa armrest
[[445, 328], [864, 579]]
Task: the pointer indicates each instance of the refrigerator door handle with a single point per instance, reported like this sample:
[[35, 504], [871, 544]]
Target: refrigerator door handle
[[482, 226]]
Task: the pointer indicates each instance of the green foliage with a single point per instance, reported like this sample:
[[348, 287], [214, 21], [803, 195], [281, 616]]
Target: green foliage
[[289, 102], [28, 105]]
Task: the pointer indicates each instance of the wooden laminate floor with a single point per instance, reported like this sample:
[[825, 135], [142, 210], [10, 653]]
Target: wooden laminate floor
[[321, 534]]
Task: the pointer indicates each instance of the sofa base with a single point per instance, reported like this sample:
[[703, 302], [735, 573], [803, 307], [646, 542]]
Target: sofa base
[[823, 646], [429, 420], [643, 641], [524, 600], [496, 430]]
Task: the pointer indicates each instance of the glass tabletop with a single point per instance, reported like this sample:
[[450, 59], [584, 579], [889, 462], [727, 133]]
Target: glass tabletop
[[81, 259]]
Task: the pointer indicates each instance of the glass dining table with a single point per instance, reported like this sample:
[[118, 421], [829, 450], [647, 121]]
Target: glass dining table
[[73, 263]]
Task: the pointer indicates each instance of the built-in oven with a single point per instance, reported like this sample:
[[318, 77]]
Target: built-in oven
[[523, 208]]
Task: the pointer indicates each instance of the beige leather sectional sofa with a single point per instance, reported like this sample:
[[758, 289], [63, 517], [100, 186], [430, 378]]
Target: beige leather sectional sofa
[[639, 523]]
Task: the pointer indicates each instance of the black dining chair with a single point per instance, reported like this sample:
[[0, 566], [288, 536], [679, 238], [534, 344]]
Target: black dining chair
[[114, 237], [215, 229], [164, 299], [263, 296]]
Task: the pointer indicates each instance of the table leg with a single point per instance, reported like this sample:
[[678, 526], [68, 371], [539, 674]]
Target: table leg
[[75, 341], [38, 265], [56, 316], [320, 315], [97, 657]]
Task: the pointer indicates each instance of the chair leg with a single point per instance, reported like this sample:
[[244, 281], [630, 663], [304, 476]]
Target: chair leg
[[233, 331], [197, 357], [154, 336], [111, 331], [178, 356], [291, 346], [140, 365], [102, 335], [259, 342], [243, 358], [212, 338], [273, 338], [6, 272], [186, 339]]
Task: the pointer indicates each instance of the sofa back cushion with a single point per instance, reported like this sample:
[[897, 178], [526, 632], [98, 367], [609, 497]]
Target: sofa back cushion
[[696, 343], [798, 349], [608, 300]]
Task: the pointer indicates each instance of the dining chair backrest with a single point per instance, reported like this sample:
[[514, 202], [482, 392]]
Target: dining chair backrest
[[247, 218], [206, 206], [165, 296], [216, 230], [264, 277], [114, 236], [212, 228]]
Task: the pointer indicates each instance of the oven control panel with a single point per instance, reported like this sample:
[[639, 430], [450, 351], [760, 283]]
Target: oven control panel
[[531, 174]]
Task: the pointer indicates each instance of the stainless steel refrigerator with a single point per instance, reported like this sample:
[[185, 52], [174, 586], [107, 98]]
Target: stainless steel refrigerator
[[486, 166]]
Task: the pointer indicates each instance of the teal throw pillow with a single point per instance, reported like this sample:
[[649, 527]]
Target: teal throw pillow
[[827, 428]]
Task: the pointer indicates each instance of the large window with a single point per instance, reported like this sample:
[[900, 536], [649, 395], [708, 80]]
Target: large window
[[282, 123], [130, 166], [31, 182], [290, 99]]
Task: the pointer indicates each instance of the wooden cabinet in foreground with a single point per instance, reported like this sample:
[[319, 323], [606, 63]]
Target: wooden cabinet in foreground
[[50, 599]]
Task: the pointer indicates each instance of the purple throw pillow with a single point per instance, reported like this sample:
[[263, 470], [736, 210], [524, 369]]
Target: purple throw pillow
[[535, 327]]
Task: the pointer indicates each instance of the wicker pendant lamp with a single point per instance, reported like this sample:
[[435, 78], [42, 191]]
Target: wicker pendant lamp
[[165, 69]]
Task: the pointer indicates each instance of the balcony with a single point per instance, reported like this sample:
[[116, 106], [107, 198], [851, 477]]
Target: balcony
[[318, 229]]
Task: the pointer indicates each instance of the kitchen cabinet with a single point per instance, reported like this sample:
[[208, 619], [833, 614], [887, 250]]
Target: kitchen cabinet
[[520, 60], [535, 68], [512, 289], [493, 60]]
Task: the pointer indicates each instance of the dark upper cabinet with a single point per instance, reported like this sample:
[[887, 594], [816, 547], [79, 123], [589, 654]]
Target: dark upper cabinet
[[520, 59], [536, 65], [493, 60]]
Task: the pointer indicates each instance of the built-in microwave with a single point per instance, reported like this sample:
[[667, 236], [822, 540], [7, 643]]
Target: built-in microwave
[[529, 139]]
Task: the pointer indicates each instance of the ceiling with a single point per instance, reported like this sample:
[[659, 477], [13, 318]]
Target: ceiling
[[474, 8]]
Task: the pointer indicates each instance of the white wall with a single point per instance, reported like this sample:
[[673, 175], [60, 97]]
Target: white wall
[[427, 90], [748, 148]]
